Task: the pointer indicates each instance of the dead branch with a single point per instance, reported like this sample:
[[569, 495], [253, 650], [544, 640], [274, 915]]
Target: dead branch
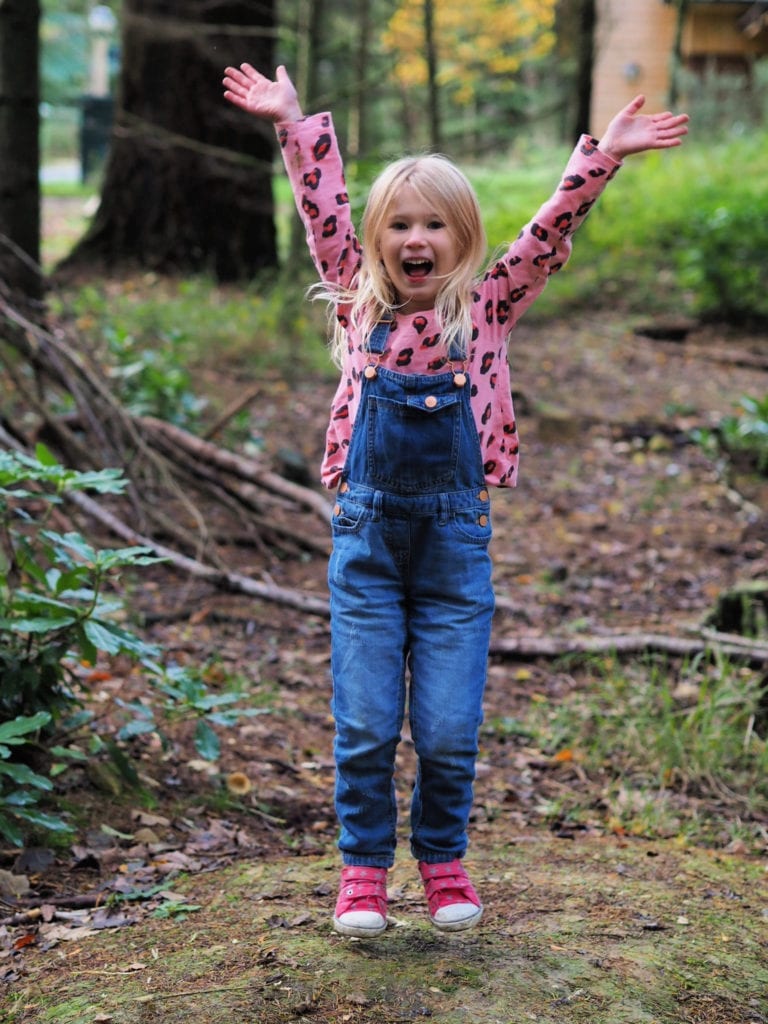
[[230, 462], [631, 643], [168, 469], [230, 581]]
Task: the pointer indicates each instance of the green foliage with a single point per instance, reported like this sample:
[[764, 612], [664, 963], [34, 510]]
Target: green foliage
[[20, 786], [183, 694], [723, 265], [55, 614], [52, 602], [158, 336], [152, 380], [743, 435], [748, 432]]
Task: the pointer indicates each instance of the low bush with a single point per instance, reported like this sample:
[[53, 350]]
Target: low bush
[[741, 437], [57, 612]]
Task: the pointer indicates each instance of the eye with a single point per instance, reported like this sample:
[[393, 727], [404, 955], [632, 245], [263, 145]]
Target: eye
[[435, 225]]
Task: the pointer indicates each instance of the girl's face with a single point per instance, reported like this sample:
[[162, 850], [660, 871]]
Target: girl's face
[[417, 249]]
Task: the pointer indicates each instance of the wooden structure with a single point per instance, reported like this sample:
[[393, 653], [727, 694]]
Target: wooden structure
[[636, 42]]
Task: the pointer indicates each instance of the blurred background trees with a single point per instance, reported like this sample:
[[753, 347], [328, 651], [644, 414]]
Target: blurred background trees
[[130, 96]]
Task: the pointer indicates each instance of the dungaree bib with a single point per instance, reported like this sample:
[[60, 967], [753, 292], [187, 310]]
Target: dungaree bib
[[410, 583]]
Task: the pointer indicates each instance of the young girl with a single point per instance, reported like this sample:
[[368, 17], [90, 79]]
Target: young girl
[[421, 426]]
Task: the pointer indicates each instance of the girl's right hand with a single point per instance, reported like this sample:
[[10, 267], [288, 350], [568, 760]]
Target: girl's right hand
[[249, 89]]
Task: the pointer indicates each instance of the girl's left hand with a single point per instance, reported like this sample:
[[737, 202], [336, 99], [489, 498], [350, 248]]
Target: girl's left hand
[[631, 132]]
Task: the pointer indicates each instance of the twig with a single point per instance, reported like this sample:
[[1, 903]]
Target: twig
[[231, 581], [232, 410]]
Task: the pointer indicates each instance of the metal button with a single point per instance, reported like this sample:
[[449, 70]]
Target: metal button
[[430, 401], [336, 509], [483, 495], [344, 488], [483, 520]]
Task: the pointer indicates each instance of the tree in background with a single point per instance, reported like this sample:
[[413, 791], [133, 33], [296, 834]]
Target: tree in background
[[575, 51], [187, 185], [19, 147]]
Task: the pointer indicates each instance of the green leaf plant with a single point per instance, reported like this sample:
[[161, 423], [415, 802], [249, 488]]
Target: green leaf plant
[[58, 611]]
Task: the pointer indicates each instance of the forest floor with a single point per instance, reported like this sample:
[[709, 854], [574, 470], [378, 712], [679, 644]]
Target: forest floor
[[620, 525]]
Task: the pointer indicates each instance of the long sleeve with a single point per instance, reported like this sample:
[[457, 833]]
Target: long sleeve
[[316, 173]]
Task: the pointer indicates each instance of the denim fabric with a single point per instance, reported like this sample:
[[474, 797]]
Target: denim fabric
[[411, 609]]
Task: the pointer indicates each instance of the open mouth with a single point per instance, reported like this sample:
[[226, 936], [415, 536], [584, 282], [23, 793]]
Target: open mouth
[[417, 269]]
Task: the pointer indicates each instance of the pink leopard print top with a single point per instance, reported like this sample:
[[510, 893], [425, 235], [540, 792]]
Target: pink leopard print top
[[510, 285]]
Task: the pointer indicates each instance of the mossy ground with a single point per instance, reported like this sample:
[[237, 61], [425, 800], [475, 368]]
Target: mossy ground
[[599, 930]]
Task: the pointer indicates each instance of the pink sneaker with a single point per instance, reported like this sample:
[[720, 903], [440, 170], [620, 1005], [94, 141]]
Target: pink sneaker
[[453, 902], [361, 909]]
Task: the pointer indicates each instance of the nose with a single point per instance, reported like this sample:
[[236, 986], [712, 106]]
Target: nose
[[415, 237]]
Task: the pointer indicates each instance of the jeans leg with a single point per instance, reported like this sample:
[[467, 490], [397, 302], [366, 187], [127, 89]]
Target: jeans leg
[[368, 639], [450, 625]]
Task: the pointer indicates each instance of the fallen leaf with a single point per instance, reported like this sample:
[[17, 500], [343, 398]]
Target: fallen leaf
[[149, 820], [358, 999], [53, 933], [104, 919], [13, 885], [34, 860]]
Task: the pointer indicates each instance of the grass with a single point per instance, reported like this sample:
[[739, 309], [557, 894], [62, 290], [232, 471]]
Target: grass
[[662, 742]]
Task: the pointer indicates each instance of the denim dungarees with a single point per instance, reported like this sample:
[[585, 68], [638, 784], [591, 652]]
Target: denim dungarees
[[410, 584]]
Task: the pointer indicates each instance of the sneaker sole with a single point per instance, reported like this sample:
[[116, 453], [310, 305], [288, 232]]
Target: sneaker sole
[[356, 932], [458, 926]]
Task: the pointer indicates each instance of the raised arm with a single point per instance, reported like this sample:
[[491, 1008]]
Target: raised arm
[[274, 100], [632, 132]]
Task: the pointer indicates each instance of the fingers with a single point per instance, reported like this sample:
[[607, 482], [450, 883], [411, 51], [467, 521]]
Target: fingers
[[634, 105], [244, 77], [671, 128]]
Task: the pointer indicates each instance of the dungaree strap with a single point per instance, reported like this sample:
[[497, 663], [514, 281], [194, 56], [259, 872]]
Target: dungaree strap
[[379, 336]]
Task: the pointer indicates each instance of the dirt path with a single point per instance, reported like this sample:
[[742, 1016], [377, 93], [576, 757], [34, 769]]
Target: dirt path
[[620, 523]]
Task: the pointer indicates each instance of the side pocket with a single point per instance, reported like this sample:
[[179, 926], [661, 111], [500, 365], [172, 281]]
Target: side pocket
[[347, 517]]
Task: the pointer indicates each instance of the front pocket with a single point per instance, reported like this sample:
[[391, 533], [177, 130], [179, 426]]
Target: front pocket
[[473, 524], [413, 446]]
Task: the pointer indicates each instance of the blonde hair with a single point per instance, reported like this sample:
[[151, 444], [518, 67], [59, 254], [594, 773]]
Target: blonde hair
[[371, 295]]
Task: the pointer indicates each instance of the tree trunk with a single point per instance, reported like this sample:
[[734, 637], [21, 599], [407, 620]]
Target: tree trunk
[[187, 184], [676, 58], [359, 132], [433, 100], [19, 147], [585, 59]]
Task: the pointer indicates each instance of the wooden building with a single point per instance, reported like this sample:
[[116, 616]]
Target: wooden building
[[636, 40]]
